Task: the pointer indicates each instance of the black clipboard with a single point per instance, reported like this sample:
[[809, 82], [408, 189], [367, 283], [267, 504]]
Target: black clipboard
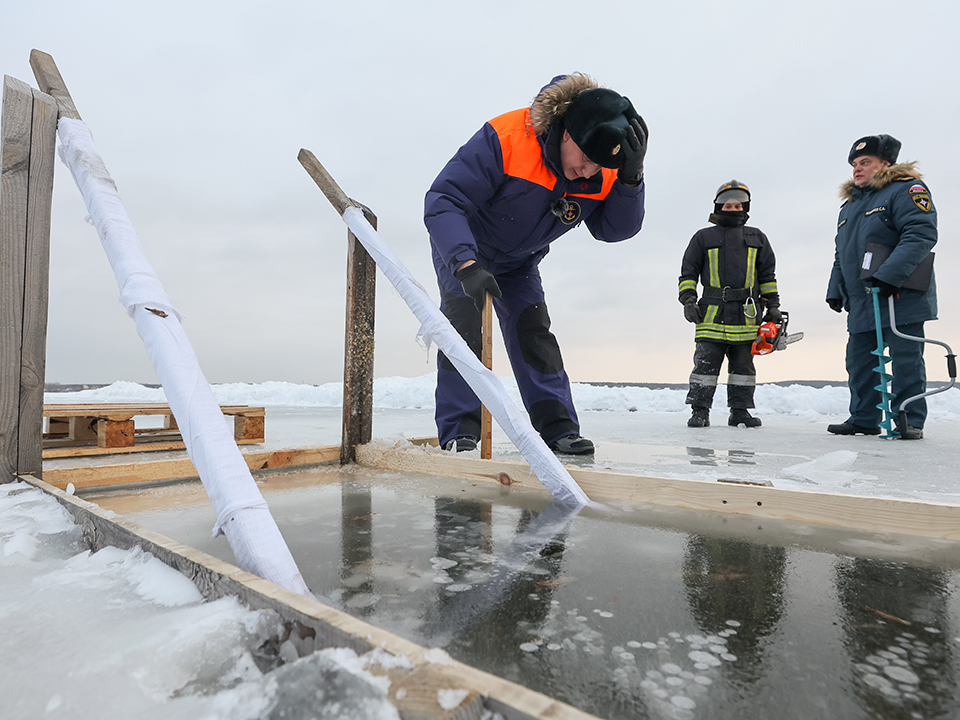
[[876, 254]]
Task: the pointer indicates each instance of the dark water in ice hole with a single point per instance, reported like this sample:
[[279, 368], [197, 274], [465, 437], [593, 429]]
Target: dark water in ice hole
[[638, 613]]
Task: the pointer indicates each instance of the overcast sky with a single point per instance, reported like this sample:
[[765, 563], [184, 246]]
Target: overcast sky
[[199, 110]]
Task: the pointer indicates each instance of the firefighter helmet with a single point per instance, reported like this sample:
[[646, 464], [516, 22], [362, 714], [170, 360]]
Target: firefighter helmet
[[732, 191]]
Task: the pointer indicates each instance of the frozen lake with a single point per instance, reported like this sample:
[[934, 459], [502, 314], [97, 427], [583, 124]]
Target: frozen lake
[[641, 613], [628, 615]]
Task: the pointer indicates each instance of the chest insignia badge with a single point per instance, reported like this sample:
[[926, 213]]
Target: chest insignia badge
[[571, 213]]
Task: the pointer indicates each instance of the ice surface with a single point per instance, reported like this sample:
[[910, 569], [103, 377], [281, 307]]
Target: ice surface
[[117, 633], [642, 431]]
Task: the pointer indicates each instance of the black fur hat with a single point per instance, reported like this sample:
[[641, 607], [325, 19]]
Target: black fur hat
[[885, 147], [597, 120]]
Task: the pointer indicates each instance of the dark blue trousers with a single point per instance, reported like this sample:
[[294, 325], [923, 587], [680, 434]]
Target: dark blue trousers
[[533, 351], [908, 370]]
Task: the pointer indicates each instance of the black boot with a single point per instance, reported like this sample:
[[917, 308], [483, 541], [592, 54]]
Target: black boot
[[464, 443], [572, 445], [848, 428], [700, 417], [741, 416]]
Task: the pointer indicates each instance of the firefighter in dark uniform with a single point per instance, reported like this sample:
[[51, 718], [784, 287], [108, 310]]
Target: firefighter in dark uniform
[[737, 269]]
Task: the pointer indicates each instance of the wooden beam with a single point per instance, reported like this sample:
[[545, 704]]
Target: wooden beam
[[248, 428], [361, 303], [936, 520], [337, 197], [486, 357], [14, 183], [358, 349], [33, 351], [125, 411], [26, 193], [89, 476], [51, 82], [115, 433]]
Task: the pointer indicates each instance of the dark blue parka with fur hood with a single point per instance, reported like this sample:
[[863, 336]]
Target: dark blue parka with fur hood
[[896, 209]]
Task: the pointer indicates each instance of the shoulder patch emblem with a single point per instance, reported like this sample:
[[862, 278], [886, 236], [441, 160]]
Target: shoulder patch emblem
[[922, 201], [917, 189]]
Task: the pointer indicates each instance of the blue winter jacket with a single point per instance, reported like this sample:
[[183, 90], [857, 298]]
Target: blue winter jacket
[[895, 208], [492, 201]]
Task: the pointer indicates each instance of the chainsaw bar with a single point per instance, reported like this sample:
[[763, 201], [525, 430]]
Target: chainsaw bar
[[785, 340]]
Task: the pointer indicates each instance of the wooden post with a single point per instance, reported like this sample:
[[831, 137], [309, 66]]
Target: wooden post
[[486, 357], [29, 128], [358, 347], [358, 353]]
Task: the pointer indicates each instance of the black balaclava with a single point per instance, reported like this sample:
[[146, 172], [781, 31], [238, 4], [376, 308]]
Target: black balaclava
[[728, 218]]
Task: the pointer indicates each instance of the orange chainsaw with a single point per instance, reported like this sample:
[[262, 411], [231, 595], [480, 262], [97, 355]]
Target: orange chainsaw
[[773, 336]]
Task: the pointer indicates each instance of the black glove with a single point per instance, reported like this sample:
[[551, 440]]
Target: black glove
[[477, 282], [633, 148], [836, 304], [773, 314], [885, 288], [691, 311]]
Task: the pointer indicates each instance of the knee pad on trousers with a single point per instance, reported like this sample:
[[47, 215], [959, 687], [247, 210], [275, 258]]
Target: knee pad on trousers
[[539, 347]]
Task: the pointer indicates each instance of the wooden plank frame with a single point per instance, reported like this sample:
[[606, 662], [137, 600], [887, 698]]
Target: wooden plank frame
[[29, 129], [311, 625], [886, 515]]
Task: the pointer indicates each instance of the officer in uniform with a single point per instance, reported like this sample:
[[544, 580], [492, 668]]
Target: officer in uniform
[[737, 269], [887, 204], [574, 155]]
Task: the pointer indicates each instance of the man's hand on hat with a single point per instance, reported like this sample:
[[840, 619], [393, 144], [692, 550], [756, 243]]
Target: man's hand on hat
[[633, 148], [477, 282]]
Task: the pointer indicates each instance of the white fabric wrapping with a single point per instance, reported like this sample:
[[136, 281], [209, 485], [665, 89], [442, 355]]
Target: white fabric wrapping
[[486, 385], [242, 513]]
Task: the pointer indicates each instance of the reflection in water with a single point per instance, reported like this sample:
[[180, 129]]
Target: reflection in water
[[707, 456], [741, 457], [356, 548], [627, 620], [895, 624], [733, 583], [484, 613]]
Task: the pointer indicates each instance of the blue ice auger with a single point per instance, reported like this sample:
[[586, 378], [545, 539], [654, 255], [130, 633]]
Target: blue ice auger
[[884, 387], [951, 364]]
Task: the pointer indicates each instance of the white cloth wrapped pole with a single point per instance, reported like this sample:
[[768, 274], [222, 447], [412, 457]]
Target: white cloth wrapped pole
[[486, 385], [242, 513]]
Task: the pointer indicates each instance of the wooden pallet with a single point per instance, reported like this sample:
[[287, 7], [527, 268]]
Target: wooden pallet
[[101, 428]]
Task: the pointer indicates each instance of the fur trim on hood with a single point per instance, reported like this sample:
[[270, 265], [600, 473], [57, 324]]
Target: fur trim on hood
[[883, 177], [552, 102]]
